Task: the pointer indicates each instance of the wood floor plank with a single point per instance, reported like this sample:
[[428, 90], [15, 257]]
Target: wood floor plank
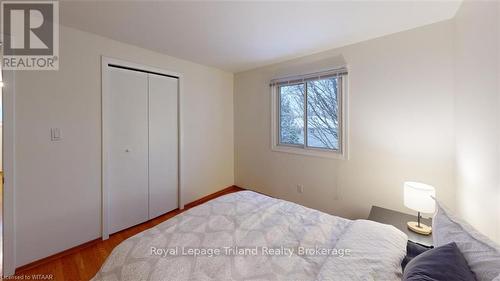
[[90, 260], [83, 262], [70, 268]]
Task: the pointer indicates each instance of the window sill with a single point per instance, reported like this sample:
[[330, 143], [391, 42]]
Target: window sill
[[310, 152]]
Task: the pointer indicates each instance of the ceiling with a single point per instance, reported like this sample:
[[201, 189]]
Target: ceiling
[[237, 36]]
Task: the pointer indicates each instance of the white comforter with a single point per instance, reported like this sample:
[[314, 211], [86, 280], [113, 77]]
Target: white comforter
[[249, 236]]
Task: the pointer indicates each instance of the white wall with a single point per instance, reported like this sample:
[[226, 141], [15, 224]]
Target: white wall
[[401, 123], [477, 76], [58, 192], [1, 127], [1, 140]]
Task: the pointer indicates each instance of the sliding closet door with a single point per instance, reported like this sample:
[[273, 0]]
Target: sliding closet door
[[163, 146], [127, 148]]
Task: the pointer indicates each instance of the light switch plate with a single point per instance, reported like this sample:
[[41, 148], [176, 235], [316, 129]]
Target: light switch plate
[[55, 134]]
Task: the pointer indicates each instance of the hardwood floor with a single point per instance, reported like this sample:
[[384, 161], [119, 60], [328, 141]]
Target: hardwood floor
[[83, 262]]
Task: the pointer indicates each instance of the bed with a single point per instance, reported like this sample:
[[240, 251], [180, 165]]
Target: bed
[[250, 236]]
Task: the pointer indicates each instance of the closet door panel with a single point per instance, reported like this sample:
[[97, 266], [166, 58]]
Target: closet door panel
[[128, 149], [163, 145]]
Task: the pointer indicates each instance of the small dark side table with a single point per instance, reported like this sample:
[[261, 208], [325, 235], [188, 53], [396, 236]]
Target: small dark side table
[[399, 220]]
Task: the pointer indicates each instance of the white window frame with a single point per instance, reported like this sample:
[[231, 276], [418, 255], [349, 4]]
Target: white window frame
[[342, 152]]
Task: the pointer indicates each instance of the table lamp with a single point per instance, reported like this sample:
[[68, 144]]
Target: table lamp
[[417, 196]]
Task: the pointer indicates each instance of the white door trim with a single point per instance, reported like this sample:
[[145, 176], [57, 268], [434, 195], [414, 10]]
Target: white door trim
[[105, 95], [8, 134]]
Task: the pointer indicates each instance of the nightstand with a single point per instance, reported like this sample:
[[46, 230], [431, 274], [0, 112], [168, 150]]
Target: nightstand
[[399, 220]]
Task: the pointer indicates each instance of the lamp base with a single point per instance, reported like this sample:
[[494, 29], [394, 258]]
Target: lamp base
[[423, 229]]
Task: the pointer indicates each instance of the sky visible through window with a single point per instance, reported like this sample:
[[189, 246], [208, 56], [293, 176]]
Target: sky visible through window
[[292, 114]]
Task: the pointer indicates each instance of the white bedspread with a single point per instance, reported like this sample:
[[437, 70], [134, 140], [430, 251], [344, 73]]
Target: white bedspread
[[249, 236]]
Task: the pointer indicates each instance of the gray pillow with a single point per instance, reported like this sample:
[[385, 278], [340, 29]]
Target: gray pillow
[[482, 254], [442, 263]]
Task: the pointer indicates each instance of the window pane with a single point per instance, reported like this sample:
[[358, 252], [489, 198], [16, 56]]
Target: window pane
[[323, 114], [292, 114]]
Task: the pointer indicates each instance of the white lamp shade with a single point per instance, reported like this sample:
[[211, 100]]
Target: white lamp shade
[[417, 196]]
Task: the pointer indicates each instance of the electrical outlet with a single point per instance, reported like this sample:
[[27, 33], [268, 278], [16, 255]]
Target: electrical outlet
[[300, 188]]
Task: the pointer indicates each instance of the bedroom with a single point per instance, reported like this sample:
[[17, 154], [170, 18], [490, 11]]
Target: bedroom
[[416, 99]]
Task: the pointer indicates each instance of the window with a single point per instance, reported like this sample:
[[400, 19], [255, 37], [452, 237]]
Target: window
[[309, 114]]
